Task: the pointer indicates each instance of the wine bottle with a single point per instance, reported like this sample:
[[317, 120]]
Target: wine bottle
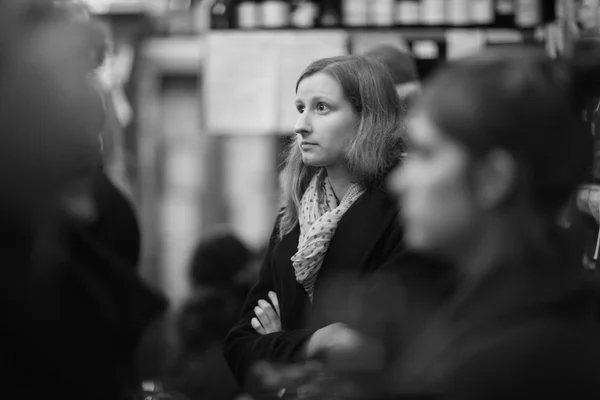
[[527, 13], [220, 15], [275, 13], [504, 11], [482, 12], [305, 13], [247, 14], [458, 12], [382, 12], [355, 12], [330, 14], [408, 12], [433, 12]]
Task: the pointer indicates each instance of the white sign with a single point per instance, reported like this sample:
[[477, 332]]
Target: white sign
[[251, 77]]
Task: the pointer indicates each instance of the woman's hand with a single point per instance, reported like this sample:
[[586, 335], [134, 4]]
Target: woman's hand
[[267, 319]]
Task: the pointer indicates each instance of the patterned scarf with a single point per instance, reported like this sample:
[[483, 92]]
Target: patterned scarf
[[319, 216]]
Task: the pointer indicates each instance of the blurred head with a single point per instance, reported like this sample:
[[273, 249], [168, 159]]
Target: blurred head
[[402, 67], [206, 318], [218, 260], [350, 118], [496, 138], [77, 197], [46, 106]]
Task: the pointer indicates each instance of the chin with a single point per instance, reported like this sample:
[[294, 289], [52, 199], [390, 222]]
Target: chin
[[311, 162], [415, 241]]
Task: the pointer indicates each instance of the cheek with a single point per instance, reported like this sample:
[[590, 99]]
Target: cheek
[[438, 209], [337, 131]]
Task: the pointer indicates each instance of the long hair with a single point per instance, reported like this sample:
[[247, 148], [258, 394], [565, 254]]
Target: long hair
[[378, 143]]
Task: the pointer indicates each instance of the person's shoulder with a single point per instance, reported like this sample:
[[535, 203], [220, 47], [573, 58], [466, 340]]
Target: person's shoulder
[[546, 356]]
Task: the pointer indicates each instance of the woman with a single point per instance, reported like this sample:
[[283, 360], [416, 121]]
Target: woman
[[497, 147], [336, 215]]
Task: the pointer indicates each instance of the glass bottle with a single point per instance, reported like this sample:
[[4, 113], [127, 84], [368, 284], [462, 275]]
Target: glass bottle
[[407, 12]]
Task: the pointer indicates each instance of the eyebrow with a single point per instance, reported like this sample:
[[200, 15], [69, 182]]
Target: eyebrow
[[317, 98]]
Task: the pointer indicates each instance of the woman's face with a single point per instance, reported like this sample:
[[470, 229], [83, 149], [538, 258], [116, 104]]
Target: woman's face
[[435, 197], [327, 121]]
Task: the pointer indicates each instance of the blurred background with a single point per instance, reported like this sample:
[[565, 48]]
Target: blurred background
[[203, 95]]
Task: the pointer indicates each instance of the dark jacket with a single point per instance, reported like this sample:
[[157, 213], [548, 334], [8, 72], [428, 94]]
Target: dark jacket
[[522, 330], [367, 238], [74, 319], [116, 222]]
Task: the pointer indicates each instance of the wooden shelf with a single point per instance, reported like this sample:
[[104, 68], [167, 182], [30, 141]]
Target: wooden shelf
[[389, 28]]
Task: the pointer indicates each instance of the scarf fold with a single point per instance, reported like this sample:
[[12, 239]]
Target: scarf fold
[[318, 216]]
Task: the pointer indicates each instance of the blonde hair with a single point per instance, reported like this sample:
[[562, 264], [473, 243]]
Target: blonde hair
[[379, 141]]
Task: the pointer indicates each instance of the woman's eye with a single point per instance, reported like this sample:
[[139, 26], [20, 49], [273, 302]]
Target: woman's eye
[[322, 107], [300, 109]]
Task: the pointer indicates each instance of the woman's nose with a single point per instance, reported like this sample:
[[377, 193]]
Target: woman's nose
[[302, 126]]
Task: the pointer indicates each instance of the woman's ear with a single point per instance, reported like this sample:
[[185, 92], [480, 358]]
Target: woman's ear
[[495, 179]]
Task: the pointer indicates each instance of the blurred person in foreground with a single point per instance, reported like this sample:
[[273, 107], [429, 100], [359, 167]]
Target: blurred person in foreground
[[402, 67], [497, 147], [337, 215], [74, 313], [114, 220], [220, 285]]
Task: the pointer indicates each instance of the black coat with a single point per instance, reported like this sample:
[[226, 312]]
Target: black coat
[[116, 221], [528, 330], [367, 238], [73, 321]]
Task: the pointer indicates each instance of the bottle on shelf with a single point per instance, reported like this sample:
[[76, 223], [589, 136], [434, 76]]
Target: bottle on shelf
[[527, 13], [275, 13], [330, 13], [247, 14], [433, 12], [429, 54], [383, 12], [458, 12], [220, 15], [355, 13], [304, 13], [482, 12], [504, 13], [408, 12]]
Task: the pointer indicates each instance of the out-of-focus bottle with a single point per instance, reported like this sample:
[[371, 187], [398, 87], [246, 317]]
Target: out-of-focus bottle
[[528, 13], [275, 13], [505, 13], [408, 12], [458, 12], [220, 15], [383, 12], [355, 13], [330, 14], [305, 14], [433, 12], [482, 12], [247, 14]]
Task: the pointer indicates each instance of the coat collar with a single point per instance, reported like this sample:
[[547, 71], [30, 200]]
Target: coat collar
[[359, 231]]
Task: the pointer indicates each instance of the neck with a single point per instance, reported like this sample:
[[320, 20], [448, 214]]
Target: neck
[[340, 180], [505, 241], [483, 251]]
